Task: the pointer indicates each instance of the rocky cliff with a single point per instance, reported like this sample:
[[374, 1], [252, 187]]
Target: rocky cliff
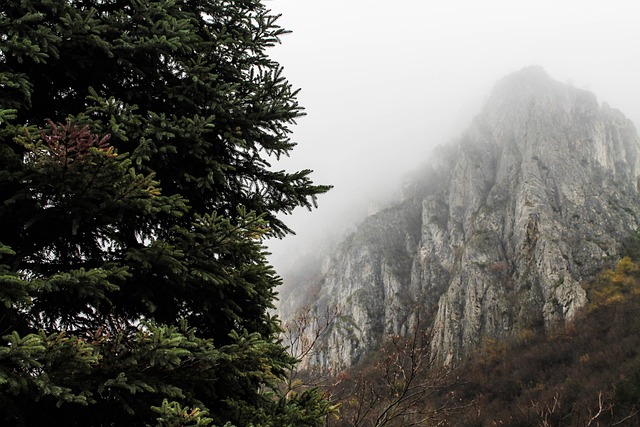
[[497, 235]]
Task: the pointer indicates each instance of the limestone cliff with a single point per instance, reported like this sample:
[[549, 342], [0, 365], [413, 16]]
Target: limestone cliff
[[499, 232]]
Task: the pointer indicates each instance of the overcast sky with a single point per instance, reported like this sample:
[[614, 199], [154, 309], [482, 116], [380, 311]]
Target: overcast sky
[[383, 82]]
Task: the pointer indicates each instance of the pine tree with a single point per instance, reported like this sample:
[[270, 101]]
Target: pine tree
[[136, 188]]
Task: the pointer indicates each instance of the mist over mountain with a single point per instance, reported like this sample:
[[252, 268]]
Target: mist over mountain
[[492, 238]]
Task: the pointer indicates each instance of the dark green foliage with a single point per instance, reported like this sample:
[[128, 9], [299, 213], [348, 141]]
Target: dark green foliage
[[184, 86], [136, 190]]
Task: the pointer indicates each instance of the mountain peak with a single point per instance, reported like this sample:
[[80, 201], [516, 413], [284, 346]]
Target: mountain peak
[[530, 97], [533, 83], [533, 75], [535, 198]]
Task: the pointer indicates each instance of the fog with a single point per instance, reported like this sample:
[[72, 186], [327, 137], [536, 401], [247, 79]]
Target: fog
[[383, 82]]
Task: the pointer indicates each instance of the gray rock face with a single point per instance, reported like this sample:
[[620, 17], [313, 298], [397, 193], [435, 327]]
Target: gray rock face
[[500, 232]]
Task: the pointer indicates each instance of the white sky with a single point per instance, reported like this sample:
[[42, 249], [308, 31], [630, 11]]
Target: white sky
[[384, 81]]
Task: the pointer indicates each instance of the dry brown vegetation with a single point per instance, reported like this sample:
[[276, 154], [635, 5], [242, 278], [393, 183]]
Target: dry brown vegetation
[[585, 373]]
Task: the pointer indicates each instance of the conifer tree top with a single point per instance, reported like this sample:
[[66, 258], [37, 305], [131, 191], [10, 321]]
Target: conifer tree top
[[185, 86]]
